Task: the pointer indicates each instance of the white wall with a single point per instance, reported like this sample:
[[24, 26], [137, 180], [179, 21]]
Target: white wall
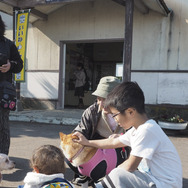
[[41, 85], [160, 42], [102, 19], [163, 88], [9, 25]]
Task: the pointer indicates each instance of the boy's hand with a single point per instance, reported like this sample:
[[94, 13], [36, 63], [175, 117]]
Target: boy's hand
[[81, 139], [114, 135]]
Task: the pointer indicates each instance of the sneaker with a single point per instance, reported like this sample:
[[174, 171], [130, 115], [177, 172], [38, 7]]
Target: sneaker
[[80, 180]]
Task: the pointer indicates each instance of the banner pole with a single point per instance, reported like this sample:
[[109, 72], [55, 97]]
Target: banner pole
[[19, 104]]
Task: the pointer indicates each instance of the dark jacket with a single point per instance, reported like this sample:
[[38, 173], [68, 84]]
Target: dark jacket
[[9, 48], [89, 122]]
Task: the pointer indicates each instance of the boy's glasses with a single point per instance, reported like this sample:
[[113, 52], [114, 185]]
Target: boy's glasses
[[116, 114]]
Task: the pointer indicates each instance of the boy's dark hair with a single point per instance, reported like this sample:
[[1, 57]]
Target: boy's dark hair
[[126, 95], [48, 159], [2, 27]]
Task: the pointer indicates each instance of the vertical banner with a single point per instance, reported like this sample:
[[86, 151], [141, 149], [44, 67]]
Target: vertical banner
[[21, 40]]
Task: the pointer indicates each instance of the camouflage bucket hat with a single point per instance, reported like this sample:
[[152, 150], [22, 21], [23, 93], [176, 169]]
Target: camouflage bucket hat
[[105, 86]]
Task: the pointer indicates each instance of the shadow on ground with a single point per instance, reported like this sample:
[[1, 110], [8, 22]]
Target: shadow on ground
[[177, 133], [22, 167], [28, 136], [39, 130]]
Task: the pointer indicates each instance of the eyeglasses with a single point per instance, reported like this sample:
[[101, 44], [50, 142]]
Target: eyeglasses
[[116, 114]]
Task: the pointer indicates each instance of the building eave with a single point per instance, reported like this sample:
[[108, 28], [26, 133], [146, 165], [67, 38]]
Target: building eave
[[145, 5]]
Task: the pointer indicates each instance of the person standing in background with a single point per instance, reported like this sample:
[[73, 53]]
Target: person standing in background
[[12, 64], [79, 85]]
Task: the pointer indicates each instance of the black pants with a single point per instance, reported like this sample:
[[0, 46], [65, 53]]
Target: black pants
[[4, 131]]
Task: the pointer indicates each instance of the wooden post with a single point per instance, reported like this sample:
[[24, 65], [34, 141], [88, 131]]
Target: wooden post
[[127, 55]]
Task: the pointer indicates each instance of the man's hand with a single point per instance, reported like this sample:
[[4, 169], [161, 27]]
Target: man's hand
[[6, 67], [81, 139]]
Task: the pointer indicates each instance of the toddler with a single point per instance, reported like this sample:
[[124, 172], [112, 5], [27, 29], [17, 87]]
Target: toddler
[[48, 169]]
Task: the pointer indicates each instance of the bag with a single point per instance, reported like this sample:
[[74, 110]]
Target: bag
[[7, 96], [57, 183], [7, 89]]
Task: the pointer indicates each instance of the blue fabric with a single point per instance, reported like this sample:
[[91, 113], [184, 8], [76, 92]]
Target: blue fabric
[[20, 186]]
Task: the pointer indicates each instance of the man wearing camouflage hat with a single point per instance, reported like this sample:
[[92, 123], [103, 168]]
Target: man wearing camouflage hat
[[96, 123]]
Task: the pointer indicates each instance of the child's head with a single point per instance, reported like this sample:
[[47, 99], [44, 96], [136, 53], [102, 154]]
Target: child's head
[[126, 97], [48, 160], [80, 66]]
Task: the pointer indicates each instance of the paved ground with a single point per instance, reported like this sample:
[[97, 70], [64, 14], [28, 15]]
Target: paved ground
[[25, 137], [68, 116]]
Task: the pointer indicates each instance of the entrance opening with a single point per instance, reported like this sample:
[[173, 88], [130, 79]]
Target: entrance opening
[[99, 60]]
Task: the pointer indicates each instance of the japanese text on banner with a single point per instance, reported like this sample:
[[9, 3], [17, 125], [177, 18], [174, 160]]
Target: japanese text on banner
[[21, 40]]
